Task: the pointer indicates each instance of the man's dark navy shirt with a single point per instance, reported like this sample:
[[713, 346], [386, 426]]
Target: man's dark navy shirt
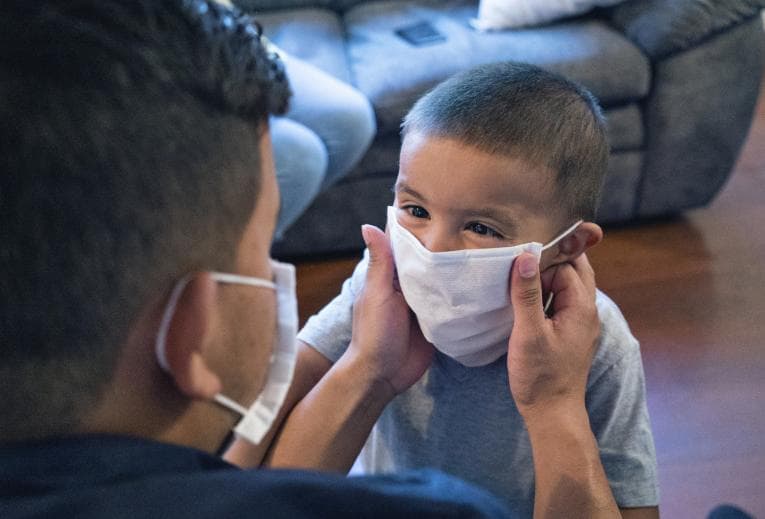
[[114, 477]]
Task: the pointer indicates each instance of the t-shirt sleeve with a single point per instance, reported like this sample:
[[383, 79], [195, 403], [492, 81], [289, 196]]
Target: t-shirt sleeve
[[616, 402], [329, 331]]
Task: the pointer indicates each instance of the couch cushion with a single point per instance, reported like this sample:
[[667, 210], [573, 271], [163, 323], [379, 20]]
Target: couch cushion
[[258, 6], [619, 195], [344, 5], [314, 35], [507, 14], [625, 128], [586, 51], [662, 27], [270, 5]]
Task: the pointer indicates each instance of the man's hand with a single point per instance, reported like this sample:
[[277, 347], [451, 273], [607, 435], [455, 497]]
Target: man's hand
[[549, 358], [548, 362], [387, 342], [328, 427]]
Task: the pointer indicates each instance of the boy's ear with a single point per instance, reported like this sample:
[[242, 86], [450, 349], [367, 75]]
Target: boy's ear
[[587, 235], [188, 339]]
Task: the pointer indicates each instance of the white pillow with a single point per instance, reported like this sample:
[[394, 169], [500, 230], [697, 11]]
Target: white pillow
[[509, 14]]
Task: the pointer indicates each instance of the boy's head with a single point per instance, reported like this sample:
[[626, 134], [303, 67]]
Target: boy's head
[[502, 154]]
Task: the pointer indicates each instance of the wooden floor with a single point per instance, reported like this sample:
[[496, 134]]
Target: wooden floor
[[693, 291]]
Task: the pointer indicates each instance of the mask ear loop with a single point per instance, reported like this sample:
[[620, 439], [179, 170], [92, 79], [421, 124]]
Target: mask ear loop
[[167, 316], [548, 303], [551, 295], [236, 279], [164, 326], [229, 404], [175, 295]]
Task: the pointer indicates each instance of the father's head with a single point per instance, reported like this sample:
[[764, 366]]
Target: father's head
[[134, 151]]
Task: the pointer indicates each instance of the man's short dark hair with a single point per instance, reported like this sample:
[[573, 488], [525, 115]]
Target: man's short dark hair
[[523, 111], [129, 135]]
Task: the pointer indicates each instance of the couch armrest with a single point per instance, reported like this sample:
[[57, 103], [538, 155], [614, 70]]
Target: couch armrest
[[665, 27]]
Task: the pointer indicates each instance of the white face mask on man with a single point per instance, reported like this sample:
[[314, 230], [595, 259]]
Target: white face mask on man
[[461, 298], [258, 418]]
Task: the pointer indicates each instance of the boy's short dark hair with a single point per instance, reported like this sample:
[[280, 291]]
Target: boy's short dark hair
[[523, 111], [129, 137]]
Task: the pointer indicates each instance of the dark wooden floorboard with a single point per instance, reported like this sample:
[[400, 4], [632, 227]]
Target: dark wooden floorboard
[[693, 291]]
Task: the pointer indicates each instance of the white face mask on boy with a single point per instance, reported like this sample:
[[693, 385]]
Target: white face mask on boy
[[258, 418], [461, 298]]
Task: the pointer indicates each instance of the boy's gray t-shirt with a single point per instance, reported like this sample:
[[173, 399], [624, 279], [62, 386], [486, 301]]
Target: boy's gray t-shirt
[[463, 420]]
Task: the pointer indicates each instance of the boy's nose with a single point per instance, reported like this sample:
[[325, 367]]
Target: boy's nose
[[438, 239]]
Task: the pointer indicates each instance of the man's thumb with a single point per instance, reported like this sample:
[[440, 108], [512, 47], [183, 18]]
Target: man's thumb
[[380, 270], [526, 289]]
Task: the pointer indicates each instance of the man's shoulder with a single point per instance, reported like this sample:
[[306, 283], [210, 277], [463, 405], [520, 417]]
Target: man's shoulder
[[303, 494], [130, 477]]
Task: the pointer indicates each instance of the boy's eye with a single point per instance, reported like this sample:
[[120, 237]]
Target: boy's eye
[[417, 211], [484, 230]]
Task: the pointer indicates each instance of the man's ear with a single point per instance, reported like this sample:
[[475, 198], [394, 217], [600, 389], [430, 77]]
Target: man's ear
[[188, 337], [587, 235]]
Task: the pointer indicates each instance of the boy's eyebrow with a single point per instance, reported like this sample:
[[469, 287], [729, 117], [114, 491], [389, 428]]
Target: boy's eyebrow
[[402, 187]]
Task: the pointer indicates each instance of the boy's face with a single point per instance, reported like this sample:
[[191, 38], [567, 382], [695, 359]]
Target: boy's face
[[453, 196]]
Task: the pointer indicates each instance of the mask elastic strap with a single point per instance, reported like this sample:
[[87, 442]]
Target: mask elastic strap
[[175, 295], [548, 303], [550, 296], [236, 279], [229, 404], [164, 325], [562, 235]]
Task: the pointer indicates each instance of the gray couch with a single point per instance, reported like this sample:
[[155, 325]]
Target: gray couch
[[678, 80]]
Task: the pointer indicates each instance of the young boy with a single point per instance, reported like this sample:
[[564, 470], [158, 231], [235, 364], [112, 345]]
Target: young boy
[[494, 160]]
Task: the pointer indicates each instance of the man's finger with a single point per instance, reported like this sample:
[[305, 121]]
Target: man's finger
[[586, 273], [568, 288], [574, 283], [526, 290], [548, 275], [380, 271]]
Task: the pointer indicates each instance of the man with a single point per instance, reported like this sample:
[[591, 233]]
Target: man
[[141, 315]]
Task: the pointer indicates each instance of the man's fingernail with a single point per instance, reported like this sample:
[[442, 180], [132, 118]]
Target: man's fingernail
[[364, 234], [528, 266]]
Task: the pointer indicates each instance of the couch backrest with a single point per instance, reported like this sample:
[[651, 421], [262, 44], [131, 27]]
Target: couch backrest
[[270, 5]]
